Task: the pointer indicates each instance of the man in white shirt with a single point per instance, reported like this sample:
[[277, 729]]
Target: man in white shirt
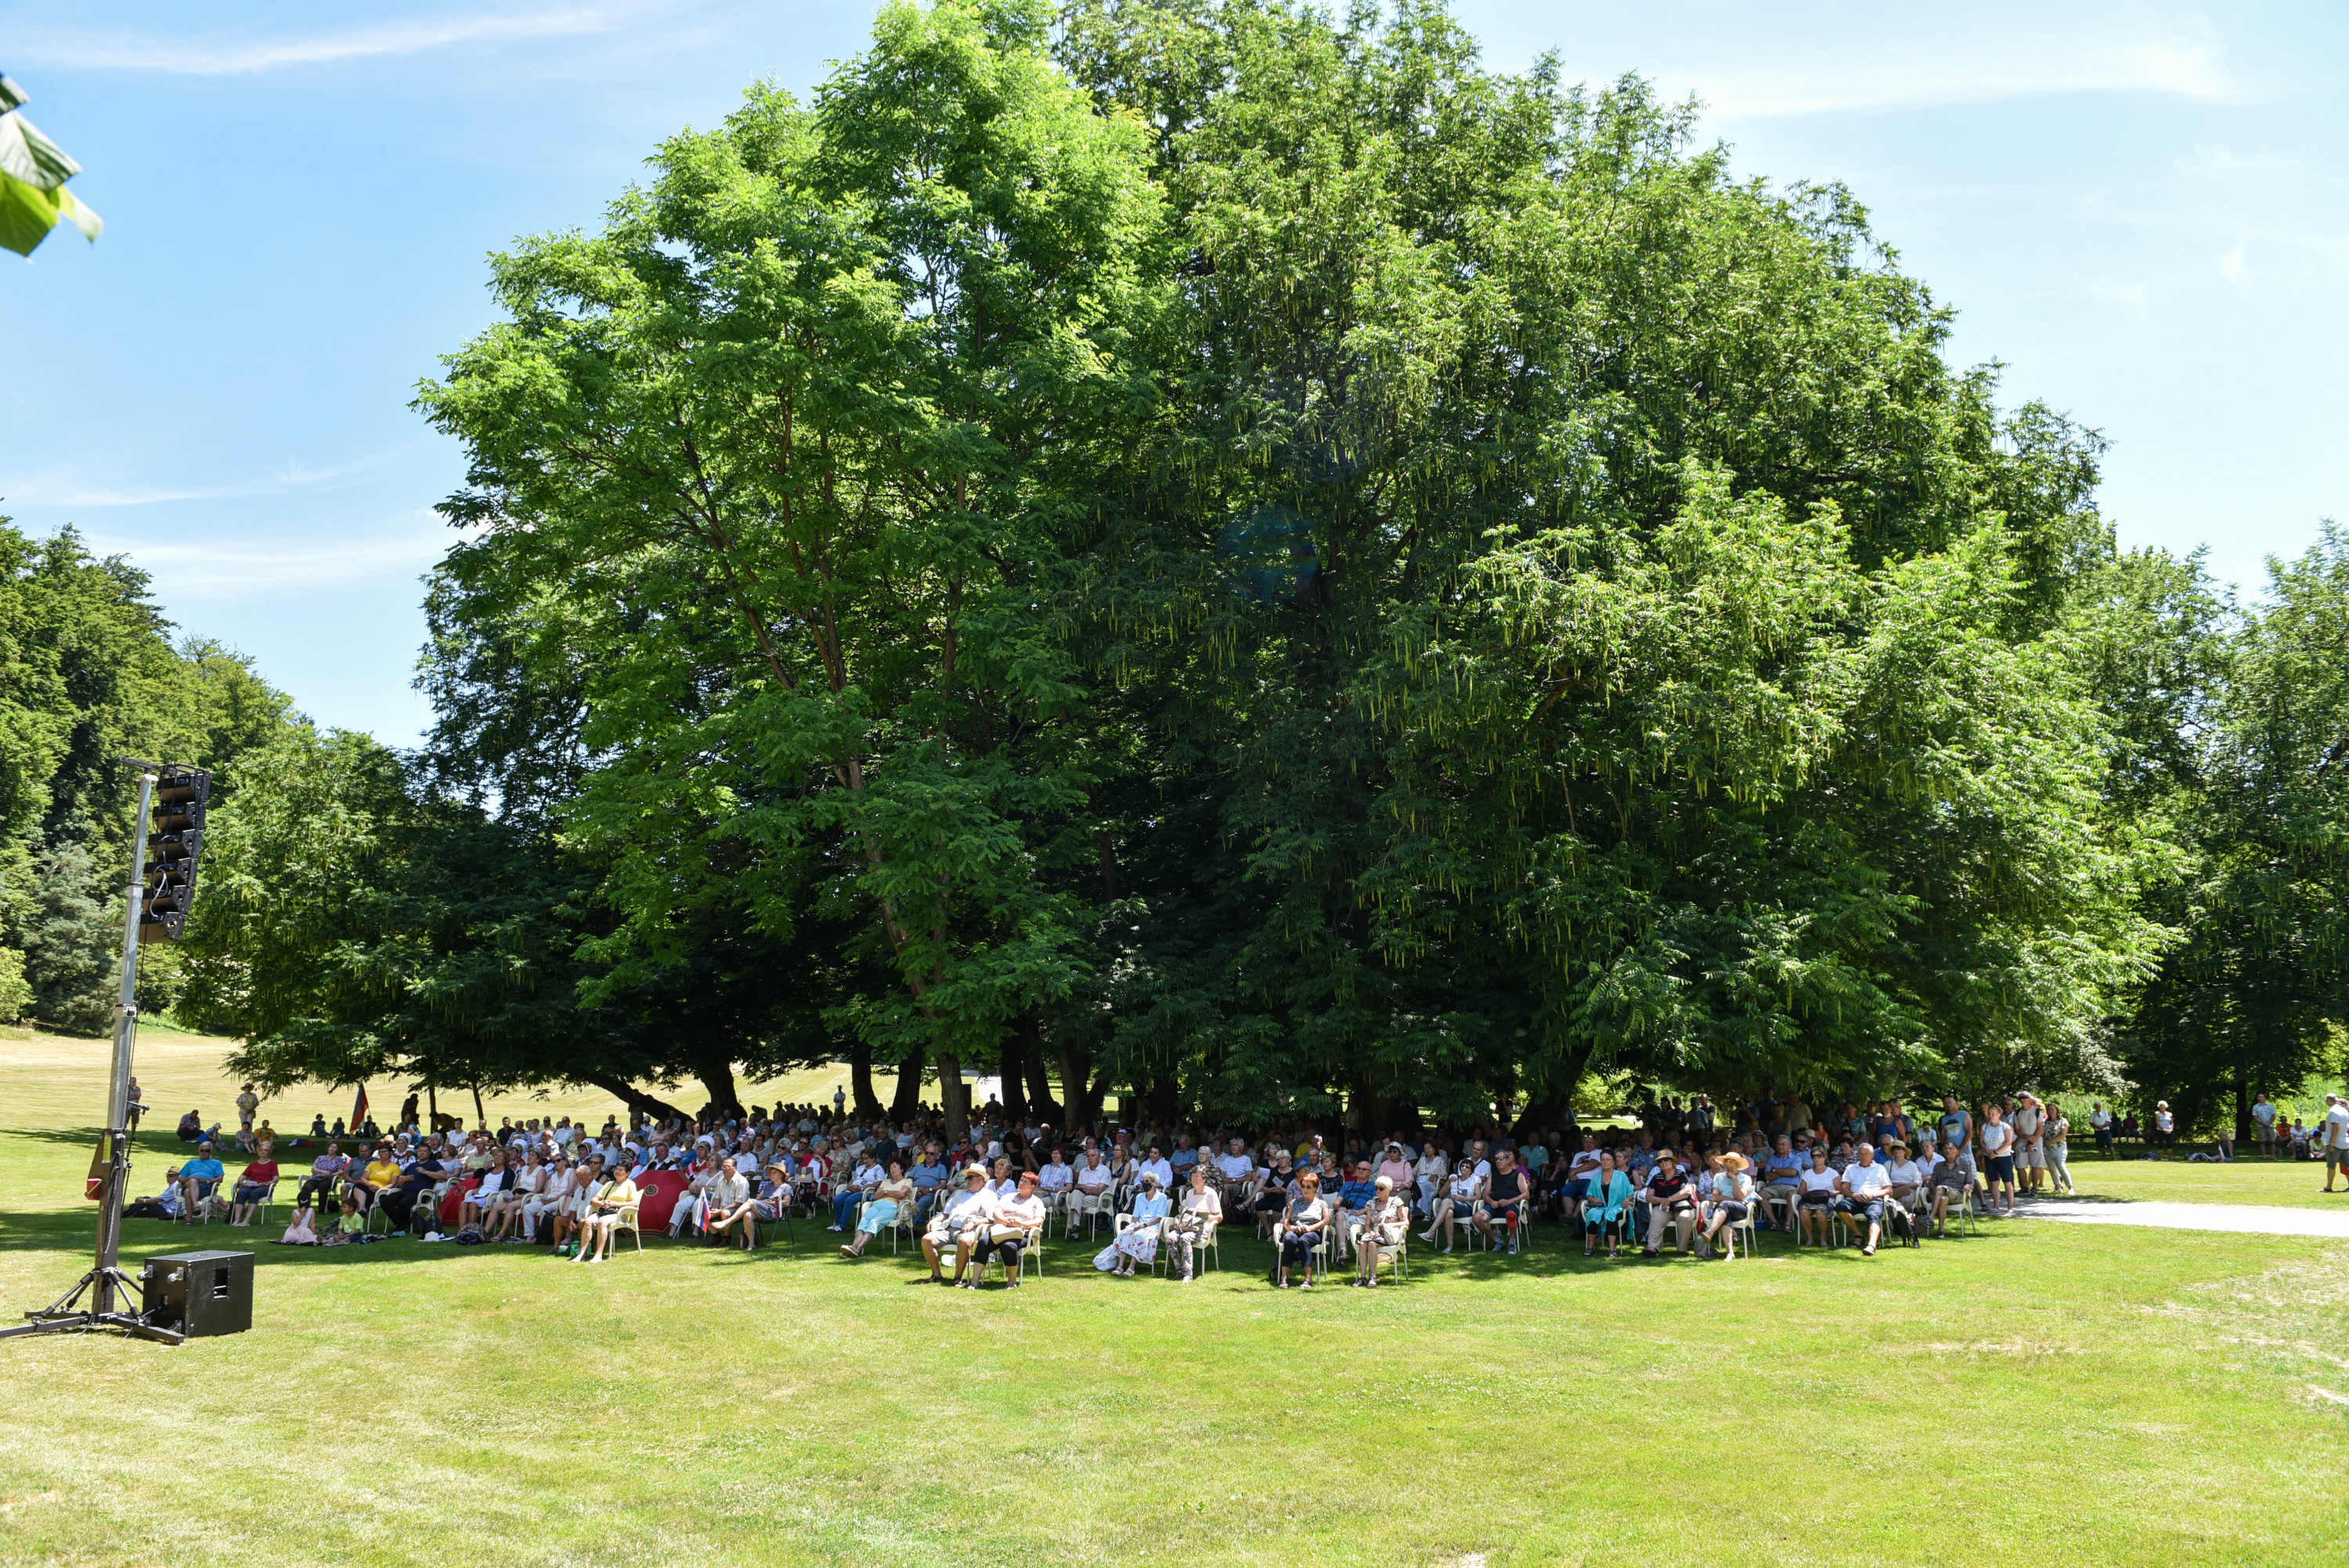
[[2101, 1120], [727, 1205], [1092, 1194], [1237, 1168], [1018, 1222], [960, 1221], [1863, 1190], [2335, 1128], [1579, 1168], [1156, 1165]]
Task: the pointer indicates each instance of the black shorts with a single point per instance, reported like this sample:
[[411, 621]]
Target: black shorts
[[2001, 1168], [1731, 1207]]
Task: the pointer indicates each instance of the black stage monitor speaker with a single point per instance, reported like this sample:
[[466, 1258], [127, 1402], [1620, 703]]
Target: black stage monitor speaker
[[199, 1293]]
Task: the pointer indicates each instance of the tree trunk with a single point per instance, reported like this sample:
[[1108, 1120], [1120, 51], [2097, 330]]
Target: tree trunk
[[954, 1093], [481, 1116], [1041, 1102], [1076, 1114], [1014, 1093], [716, 1071], [638, 1102], [2243, 1133], [860, 1084], [906, 1103]]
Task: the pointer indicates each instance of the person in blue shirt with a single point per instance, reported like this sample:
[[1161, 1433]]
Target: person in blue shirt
[[928, 1177], [198, 1177]]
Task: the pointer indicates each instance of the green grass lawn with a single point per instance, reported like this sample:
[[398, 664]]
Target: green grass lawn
[[2284, 1183], [2041, 1393]]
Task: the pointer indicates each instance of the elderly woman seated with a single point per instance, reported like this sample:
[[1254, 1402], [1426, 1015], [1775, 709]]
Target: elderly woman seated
[[1605, 1203], [1381, 1229], [1138, 1231], [1195, 1220]]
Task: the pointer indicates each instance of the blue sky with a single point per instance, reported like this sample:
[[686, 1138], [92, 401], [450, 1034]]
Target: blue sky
[[2141, 210]]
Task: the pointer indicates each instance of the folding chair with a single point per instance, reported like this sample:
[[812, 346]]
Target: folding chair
[[1205, 1251], [1960, 1217], [1739, 1232], [1622, 1231], [1031, 1261], [1396, 1258], [1319, 1260], [627, 1221], [1093, 1210]]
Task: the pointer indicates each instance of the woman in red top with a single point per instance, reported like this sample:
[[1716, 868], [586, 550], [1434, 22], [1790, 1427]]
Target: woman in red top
[[253, 1188]]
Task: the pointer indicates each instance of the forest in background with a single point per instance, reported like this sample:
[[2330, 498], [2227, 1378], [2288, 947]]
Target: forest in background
[[1236, 558]]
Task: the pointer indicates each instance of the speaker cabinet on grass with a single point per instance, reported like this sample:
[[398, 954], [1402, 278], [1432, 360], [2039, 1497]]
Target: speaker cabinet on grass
[[199, 1293]]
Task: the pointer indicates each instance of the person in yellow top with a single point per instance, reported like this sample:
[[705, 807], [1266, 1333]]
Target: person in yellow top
[[380, 1176], [604, 1215]]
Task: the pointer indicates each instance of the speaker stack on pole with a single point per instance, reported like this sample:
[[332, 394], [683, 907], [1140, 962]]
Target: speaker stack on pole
[[189, 1287]]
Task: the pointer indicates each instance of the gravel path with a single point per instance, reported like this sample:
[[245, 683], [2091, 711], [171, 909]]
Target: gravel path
[[2245, 1218]]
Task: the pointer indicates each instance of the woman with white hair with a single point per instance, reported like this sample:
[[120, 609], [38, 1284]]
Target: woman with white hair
[[1200, 1211], [1138, 1242], [1382, 1227]]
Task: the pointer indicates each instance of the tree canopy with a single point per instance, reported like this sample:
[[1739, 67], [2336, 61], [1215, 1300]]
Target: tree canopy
[[1240, 557]]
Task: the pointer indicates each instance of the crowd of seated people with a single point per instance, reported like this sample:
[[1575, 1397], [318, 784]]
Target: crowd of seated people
[[1690, 1177]]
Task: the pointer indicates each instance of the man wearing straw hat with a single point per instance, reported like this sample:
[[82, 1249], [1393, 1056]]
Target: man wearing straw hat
[[959, 1221]]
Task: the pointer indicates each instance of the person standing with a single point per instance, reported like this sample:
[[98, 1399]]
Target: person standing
[[2164, 1126], [2056, 1135], [1998, 1154], [2030, 1154], [2336, 1137], [2263, 1125], [2100, 1121], [1955, 1126], [247, 1103]]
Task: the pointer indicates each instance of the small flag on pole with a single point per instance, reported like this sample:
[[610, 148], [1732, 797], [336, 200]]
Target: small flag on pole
[[359, 1110]]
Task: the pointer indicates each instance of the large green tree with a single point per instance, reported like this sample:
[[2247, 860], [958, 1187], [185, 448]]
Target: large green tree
[[1240, 556], [797, 442], [2255, 777], [89, 674], [1576, 616]]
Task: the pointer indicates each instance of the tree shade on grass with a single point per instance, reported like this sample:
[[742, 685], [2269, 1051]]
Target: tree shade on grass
[[2045, 1393]]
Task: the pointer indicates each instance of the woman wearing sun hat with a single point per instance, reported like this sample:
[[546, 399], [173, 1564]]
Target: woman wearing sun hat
[[1733, 1200]]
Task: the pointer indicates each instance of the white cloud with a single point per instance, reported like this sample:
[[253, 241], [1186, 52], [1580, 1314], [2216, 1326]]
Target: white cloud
[[227, 567], [2231, 268], [1926, 79], [65, 486], [197, 57]]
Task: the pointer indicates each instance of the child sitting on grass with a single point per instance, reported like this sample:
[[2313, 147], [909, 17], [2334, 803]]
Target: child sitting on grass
[[350, 1225]]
